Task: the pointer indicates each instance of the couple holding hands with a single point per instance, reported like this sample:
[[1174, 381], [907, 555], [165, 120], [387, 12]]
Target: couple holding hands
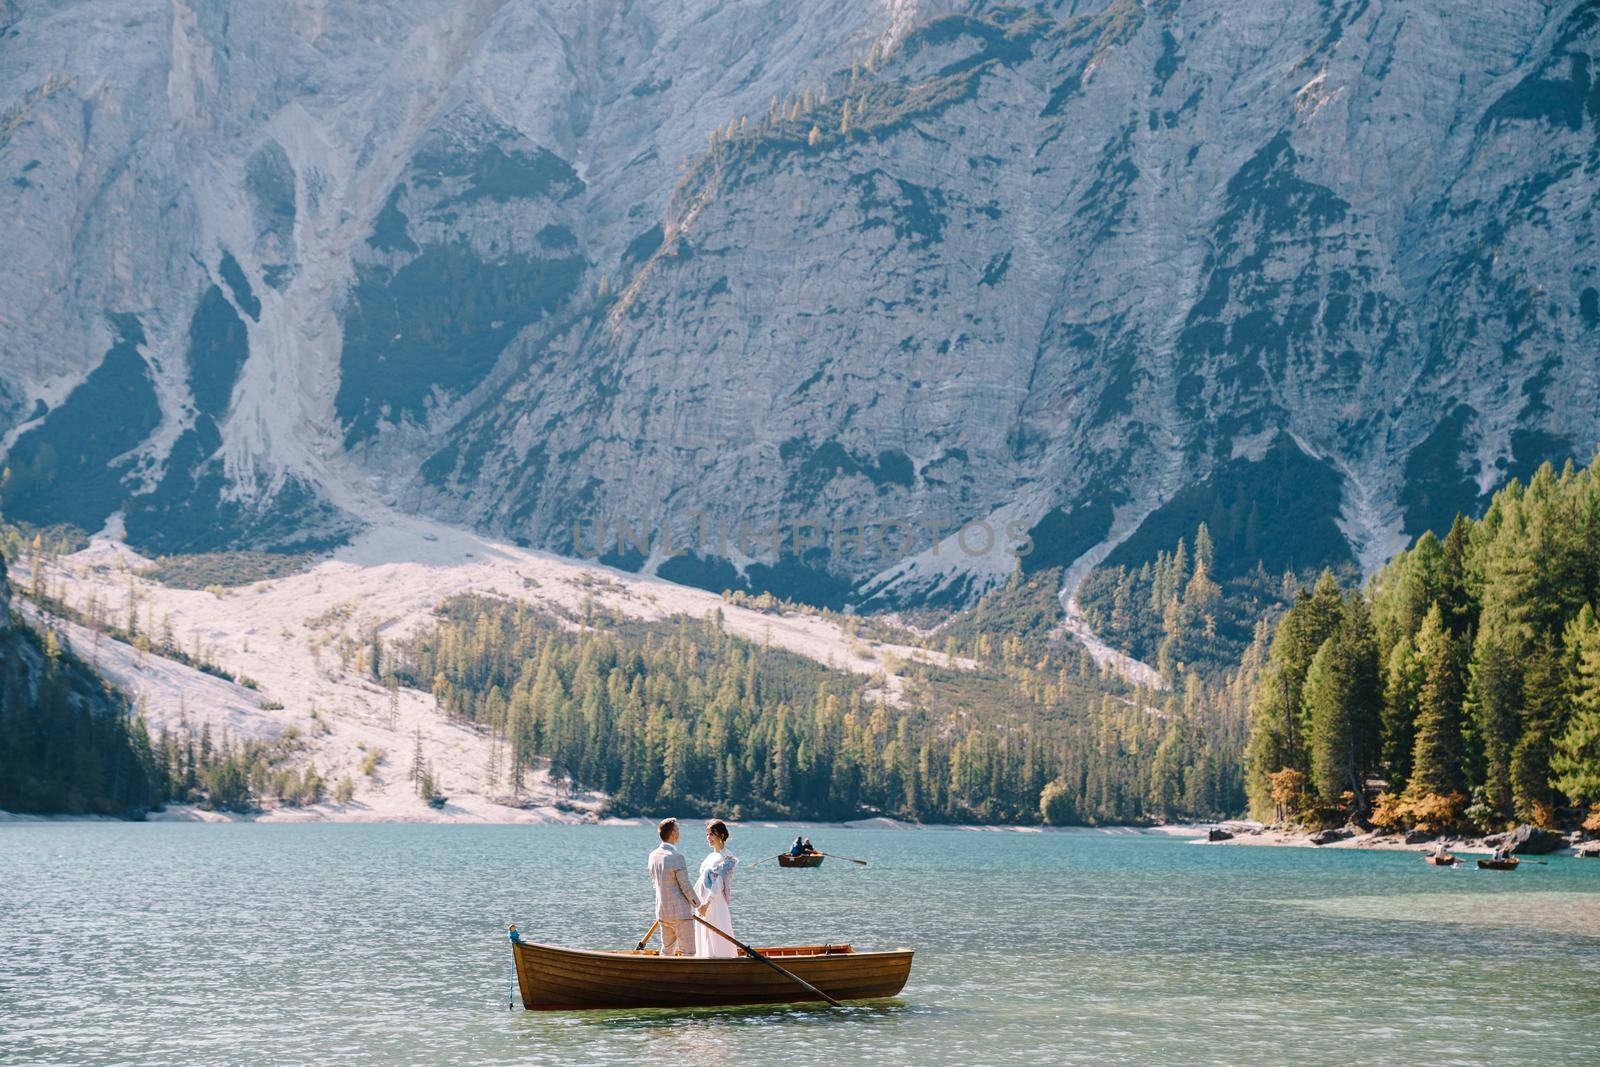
[[678, 901]]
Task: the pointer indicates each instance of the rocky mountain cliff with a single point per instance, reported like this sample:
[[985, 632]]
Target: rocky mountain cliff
[[899, 284]]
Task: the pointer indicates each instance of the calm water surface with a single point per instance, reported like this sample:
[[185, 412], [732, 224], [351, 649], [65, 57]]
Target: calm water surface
[[125, 943]]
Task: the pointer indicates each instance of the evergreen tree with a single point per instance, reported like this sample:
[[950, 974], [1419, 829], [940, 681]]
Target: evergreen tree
[[1495, 702], [226, 787], [1436, 755], [1278, 710], [1358, 639], [491, 771], [1342, 703], [375, 654], [1453, 593], [1330, 742], [1405, 588], [1205, 551], [1401, 692], [1167, 785], [1543, 717], [1576, 759]]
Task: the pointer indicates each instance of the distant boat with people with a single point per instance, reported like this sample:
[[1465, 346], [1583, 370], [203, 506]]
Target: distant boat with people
[[809, 859], [804, 854]]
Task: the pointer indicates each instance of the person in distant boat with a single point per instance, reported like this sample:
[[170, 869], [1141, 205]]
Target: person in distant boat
[[1439, 851], [799, 848], [808, 845], [714, 889], [675, 900]]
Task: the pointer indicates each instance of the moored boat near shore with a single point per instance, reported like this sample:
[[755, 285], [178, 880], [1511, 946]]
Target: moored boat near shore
[[557, 979]]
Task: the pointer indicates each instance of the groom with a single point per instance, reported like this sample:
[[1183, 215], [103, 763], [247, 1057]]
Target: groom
[[675, 903]]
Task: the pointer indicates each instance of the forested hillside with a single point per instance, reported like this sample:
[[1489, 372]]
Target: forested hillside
[[683, 716], [1462, 690], [1188, 609], [67, 742], [1459, 689], [71, 744]]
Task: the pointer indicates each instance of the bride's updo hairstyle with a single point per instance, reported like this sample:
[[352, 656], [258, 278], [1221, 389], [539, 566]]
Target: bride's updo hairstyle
[[718, 829]]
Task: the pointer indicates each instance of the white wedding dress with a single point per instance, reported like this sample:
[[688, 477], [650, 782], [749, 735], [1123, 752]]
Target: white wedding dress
[[713, 885]]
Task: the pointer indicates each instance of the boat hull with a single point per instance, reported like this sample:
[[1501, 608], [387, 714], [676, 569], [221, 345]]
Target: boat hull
[[563, 979], [1446, 861], [812, 860], [1497, 865]]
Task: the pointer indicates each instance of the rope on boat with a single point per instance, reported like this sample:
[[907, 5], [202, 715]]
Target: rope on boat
[[511, 980]]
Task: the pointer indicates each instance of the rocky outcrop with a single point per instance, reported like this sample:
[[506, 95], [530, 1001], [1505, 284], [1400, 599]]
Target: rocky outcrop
[[1527, 840], [843, 299]]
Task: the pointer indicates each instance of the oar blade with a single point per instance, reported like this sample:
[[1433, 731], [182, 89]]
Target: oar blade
[[831, 856]]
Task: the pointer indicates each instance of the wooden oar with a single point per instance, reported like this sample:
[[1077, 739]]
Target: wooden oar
[[753, 954], [646, 938], [831, 856], [758, 863]]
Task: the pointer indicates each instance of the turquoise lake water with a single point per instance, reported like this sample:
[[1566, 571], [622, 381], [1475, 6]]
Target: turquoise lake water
[[340, 944]]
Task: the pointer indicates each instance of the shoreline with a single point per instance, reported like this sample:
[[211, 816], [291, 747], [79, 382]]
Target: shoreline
[[548, 816], [351, 814], [1245, 833], [1254, 835]]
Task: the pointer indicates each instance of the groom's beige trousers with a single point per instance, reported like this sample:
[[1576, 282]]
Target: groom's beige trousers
[[677, 937]]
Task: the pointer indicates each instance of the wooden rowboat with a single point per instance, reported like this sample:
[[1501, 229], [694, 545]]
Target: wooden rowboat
[[808, 859], [1442, 861], [1497, 865], [565, 979]]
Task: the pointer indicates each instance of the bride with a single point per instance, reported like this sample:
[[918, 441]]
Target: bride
[[712, 887]]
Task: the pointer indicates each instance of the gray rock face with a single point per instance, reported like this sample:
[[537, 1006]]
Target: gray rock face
[[670, 282], [1527, 840], [336, 219]]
